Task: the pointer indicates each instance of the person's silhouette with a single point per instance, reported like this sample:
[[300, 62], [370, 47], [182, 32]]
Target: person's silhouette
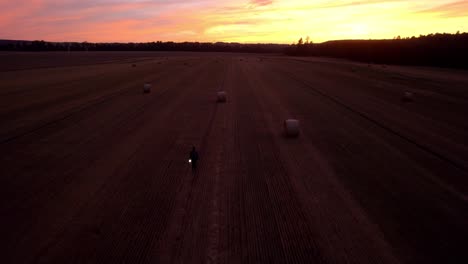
[[193, 156]]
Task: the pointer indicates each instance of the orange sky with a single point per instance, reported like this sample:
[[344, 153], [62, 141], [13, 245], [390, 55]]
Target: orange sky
[[247, 21]]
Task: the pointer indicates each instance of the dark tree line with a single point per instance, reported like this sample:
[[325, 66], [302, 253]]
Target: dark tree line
[[440, 50], [12, 45]]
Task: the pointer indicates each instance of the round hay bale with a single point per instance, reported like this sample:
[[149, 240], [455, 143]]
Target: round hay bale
[[221, 96], [291, 127], [407, 97], [147, 88]]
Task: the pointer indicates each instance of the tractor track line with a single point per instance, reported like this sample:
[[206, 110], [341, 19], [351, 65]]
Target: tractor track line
[[377, 123], [92, 103]]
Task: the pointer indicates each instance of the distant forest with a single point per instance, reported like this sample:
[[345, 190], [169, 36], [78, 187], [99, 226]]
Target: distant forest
[[440, 50], [40, 45]]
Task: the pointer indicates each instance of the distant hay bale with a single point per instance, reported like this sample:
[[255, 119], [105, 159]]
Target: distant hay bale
[[407, 97], [133, 65], [221, 97], [147, 88], [291, 128]]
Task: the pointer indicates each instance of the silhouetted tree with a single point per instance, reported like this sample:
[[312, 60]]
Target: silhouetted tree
[[150, 46], [442, 50]]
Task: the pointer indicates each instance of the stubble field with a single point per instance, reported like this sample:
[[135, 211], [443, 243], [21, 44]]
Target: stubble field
[[94, 170]]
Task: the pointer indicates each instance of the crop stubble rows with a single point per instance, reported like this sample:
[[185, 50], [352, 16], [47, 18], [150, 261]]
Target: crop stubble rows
[[104, 177]]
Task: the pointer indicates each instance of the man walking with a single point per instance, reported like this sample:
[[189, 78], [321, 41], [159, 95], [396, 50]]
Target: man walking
[[193, 158]]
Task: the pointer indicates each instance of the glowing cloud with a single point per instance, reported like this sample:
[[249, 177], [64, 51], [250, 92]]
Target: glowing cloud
[[280, 21]]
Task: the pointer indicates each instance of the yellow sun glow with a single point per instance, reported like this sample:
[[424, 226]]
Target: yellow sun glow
[[279, 21]]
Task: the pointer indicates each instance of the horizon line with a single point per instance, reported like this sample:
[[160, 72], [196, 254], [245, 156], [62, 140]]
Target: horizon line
[[242, 43]]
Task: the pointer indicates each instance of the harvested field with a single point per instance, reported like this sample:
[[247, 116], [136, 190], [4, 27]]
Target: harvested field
[[95, 171]]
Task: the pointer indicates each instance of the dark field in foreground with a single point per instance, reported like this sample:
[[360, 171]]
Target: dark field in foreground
[[93, 170]]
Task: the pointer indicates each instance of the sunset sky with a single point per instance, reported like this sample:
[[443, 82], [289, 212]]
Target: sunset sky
[[246, 21]]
